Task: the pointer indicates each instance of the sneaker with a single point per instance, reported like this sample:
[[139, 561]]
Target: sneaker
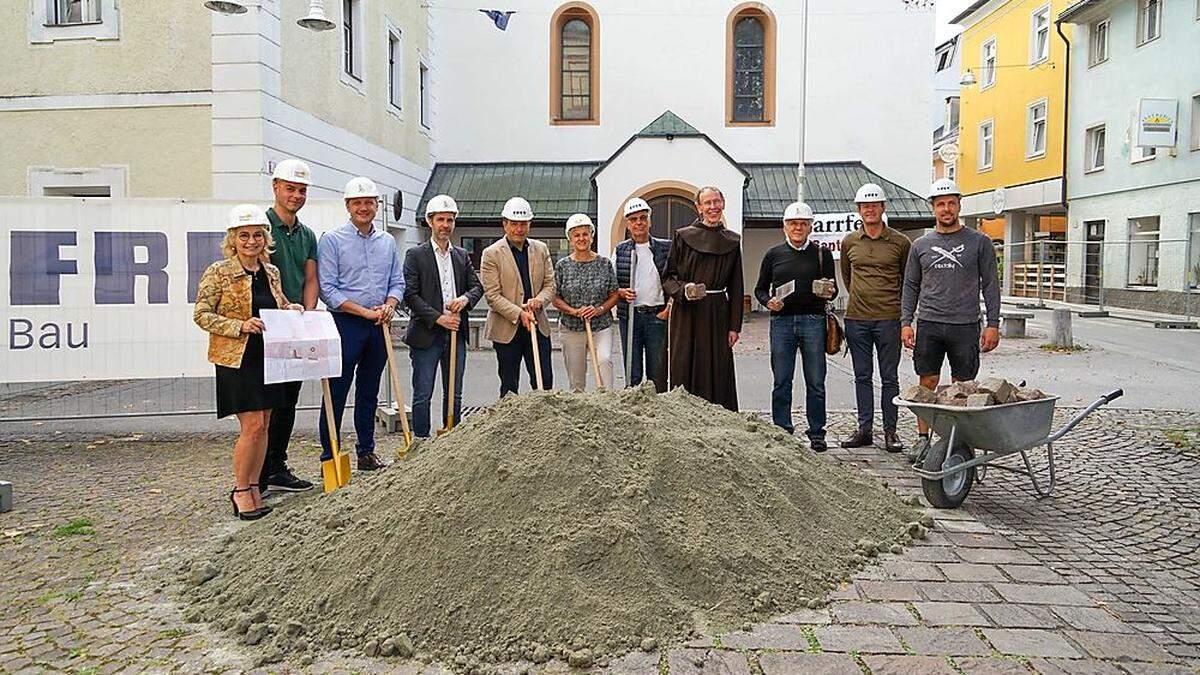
[[286, 481], [917, 452], [370, 462], [818, 445], [860, 439], [891, 441]]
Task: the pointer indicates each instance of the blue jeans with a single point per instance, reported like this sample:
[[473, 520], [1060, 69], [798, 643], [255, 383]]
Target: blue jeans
[[364, 357], [424, 371], [650, 345], [864, 338], [805, 332]]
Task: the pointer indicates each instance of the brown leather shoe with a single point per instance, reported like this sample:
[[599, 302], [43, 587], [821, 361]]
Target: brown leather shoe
[[860, 439], [891, 441], [370, 462]]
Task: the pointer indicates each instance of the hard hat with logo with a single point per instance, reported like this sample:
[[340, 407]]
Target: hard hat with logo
[[634, 205], [580, 220], [441, 204], [292, 171], [798, 211], [942, 187], [247, 214], [518, 210], [361, 187], [869, 193]]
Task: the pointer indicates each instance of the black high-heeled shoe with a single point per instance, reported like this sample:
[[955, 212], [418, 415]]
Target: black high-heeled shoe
[[264, 509], [244, 515]]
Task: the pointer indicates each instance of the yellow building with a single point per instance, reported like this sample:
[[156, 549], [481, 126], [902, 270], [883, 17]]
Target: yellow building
[[1012, 113]]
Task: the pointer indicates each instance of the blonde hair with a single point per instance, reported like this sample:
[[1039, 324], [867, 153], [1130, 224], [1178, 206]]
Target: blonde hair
[[229, 245]]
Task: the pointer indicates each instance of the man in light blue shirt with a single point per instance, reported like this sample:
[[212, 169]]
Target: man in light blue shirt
[[362, 283]]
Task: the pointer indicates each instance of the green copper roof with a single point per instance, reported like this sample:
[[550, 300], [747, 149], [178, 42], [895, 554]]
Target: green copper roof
[[668, 124], [829, 187]]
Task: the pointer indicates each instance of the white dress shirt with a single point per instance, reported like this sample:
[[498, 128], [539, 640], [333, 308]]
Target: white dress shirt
[[646, 282], [445, 273]]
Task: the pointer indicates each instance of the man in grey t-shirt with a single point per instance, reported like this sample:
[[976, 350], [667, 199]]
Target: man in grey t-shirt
[[947, 270]]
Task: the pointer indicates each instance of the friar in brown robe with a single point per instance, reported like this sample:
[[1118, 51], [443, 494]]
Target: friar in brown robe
[[703, 331]]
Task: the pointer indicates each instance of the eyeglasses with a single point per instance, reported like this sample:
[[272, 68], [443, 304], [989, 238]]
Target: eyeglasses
[[248, 236]]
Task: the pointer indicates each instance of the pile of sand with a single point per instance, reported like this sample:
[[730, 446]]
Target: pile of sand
[[553, 526]]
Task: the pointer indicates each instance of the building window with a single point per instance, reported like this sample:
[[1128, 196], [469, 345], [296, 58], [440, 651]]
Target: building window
[[943, 58], [575, 52], [1098, 43], [1143, 251], [423, 74], [72, 12], [750, 67], [1139, 153], [1196, 122], [988, 64], [952, 171], [1149, 20], [1194, 251], [952, 111], [1039, 38], [1036, 141], [395, 69], [986, 140], [1093, 149], [51, 20], [105, 181], [351, 49]]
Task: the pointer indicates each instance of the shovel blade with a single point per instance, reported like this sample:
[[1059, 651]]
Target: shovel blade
[[343, 469], [329, 475]]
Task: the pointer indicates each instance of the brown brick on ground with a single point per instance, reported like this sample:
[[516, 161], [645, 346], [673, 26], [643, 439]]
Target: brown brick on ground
[[706, 662], [1030, 642], [907, 665], [942, 641]]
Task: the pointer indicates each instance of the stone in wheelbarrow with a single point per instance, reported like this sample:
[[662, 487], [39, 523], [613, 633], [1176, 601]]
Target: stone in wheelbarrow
[[1002, 391], [980, 400], [919, 394]]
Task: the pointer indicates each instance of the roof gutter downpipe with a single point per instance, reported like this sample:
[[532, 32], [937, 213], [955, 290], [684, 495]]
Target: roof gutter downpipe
[[1066, 107]]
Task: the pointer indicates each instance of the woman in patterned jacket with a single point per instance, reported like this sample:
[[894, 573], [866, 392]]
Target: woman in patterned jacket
[[232, 293]]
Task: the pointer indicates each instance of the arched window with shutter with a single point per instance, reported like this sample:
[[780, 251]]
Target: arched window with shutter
[[750, 66], [574, 68]]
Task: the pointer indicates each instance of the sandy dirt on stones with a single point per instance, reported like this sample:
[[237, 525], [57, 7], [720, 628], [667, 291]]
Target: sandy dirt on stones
[[552, 526]]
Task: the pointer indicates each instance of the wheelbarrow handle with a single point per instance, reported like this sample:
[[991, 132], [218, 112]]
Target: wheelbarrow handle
[[1110, 396]]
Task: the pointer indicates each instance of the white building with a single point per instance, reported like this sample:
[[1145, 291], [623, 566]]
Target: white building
[[580, 106], [947, 69], [142, 98], [1137, 207]]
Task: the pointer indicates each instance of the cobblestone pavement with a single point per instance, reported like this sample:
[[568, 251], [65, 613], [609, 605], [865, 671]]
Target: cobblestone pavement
[[1007, 585]]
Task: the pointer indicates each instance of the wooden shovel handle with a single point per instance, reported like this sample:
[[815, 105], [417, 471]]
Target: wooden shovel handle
[[394, 372], [591, 343]]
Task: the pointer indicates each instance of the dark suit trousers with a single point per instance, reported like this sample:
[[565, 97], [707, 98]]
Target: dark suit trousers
[[509, 357]]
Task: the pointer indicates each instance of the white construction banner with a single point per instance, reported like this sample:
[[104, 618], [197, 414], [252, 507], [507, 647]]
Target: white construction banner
[[103, 289], [831, 228], [1156, 122], [298, 347]]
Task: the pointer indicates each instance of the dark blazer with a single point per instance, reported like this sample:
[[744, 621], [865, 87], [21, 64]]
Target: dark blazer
[[423, 292]]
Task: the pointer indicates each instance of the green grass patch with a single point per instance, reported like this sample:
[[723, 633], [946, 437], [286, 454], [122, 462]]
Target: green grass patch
[[173, 633], [1187, 439], [43, 599], [1055, 349], [814, 645], [77, 527]]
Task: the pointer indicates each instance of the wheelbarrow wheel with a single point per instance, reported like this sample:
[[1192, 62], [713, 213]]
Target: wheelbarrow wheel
[[951, 491]]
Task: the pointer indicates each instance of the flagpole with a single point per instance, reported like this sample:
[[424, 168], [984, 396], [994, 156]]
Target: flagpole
[[803, 98]]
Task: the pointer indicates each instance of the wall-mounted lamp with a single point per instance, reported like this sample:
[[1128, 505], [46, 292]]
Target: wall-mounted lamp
[[315, 21]]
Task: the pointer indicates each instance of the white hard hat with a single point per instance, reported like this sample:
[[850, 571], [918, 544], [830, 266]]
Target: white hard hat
[[361, 187], [517, 209], [634, 205], [942, 187], [441, 204], [247, 214], [798, 211], [293, 171], [580, 220], [869, 193]]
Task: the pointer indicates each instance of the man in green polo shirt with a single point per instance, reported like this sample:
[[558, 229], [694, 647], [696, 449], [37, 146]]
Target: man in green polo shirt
[[872, 266], [296, 257]]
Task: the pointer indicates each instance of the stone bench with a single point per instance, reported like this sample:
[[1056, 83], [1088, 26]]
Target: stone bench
[[1012, 324]]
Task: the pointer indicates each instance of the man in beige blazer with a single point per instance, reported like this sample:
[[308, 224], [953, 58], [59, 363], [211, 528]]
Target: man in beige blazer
[[518, 282]]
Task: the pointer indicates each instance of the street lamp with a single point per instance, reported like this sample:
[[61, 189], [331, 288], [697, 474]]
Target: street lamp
[[968, 79], [315, 21]]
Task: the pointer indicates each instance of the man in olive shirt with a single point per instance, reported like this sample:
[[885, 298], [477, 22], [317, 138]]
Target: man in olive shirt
[[872, 265], [296, 257]]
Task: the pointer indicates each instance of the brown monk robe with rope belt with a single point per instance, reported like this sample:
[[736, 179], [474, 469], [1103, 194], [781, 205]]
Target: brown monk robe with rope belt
[[703, 276]]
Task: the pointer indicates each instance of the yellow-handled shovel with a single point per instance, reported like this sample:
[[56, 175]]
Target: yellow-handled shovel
[[395, 375], [537, 354], [591, 343], [450, 389], [335, 471]]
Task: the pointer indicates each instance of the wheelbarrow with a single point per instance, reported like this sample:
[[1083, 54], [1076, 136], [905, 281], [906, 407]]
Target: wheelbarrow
[[948, 468]]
